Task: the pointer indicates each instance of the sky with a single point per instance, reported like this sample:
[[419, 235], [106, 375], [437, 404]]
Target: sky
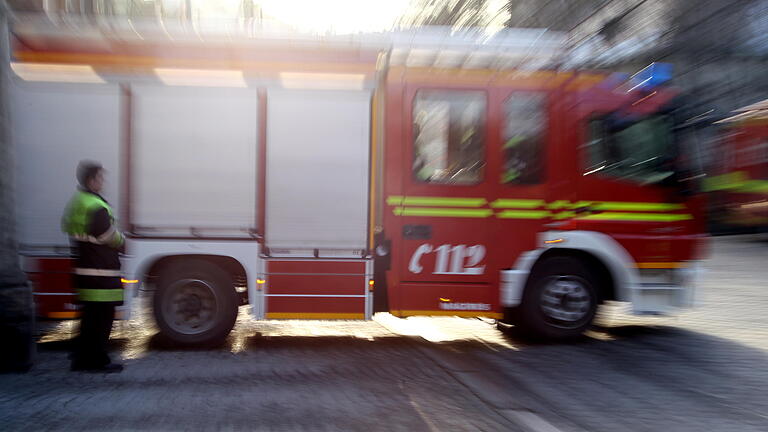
[[338, 16], [341, 16]]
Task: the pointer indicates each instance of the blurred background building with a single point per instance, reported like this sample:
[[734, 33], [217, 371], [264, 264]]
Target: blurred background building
[[718, 47]]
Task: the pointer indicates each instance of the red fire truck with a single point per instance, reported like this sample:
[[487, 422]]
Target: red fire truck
[[417, 173], [739, 186]]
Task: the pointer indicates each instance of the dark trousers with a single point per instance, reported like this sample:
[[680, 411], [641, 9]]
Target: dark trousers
[[95, 327]]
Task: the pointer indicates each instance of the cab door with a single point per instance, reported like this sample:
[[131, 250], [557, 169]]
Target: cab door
[[528, 191], [444, 211], [621, 191]]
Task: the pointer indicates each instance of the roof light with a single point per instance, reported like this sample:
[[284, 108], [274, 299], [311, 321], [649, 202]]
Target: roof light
[[52, 72], [201, 77], [651, 77], [322, 81]]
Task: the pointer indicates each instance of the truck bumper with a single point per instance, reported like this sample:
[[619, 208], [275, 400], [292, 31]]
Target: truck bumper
[[512, 286], [665, 291]]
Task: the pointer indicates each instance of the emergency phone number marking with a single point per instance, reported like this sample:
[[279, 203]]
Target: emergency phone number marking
[[463, 259]]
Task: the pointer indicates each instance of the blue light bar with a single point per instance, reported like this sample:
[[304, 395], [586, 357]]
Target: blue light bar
[[654, 75]]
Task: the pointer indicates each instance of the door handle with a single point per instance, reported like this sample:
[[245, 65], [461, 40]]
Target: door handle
[[417, 232]]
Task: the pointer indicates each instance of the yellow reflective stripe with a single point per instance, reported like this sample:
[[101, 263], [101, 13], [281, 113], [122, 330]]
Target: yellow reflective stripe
[[315, 316], [737, 181], [523, 214], [627, 205], [564, 215], [617, 210], [442, 212], [645, 217], [537, 214], [517, 203], [463, 314], [754, 186], [636, 206], [100, 295], [470, 213], [559, 204], [443, 201], [661, 265], [730, 180]]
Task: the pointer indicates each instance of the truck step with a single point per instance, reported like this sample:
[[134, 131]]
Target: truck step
[[319, 288]]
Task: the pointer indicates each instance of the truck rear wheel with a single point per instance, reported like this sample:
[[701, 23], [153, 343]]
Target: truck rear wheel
[[560, 300], [195, 303]]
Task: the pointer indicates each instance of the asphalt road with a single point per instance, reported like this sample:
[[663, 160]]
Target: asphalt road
[[706, 369]]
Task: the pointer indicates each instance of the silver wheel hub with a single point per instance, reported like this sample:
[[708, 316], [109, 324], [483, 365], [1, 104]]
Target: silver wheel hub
[[565, 299], [191, 306]]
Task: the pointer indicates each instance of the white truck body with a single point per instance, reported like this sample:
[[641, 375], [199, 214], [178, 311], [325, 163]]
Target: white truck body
[[183, 171], [193, 165], [54, 126], [317, 176]]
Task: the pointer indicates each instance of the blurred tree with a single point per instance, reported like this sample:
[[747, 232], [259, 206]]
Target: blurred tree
[[718, 48], [452, 13], [16, 310], [558, 15]]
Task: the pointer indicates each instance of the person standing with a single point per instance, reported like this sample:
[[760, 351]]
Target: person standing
[[90, 224]]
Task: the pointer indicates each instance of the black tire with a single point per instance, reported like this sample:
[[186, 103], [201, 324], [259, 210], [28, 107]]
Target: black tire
[[511, 316], [560, 300], [195, 303]]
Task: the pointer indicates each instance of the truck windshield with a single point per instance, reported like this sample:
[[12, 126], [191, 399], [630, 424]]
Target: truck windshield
[[633, 149]]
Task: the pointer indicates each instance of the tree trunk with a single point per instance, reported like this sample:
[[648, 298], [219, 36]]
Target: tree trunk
[[16, 306]]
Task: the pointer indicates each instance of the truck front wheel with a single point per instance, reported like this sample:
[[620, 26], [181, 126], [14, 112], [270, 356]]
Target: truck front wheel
[[195, 303], [560, 300]]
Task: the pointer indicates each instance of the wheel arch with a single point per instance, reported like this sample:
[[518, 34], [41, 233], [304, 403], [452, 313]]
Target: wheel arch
[[227, 263], [599, 252], [151, 268]]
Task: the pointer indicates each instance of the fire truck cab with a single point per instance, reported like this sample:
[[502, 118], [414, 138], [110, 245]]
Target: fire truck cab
[[533, 197]]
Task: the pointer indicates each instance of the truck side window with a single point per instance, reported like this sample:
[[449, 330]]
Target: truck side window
[[636, 149], [449, 136], [525, 117], [594, 149]]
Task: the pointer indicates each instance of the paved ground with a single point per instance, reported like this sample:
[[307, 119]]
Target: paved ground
[[704, 370]]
